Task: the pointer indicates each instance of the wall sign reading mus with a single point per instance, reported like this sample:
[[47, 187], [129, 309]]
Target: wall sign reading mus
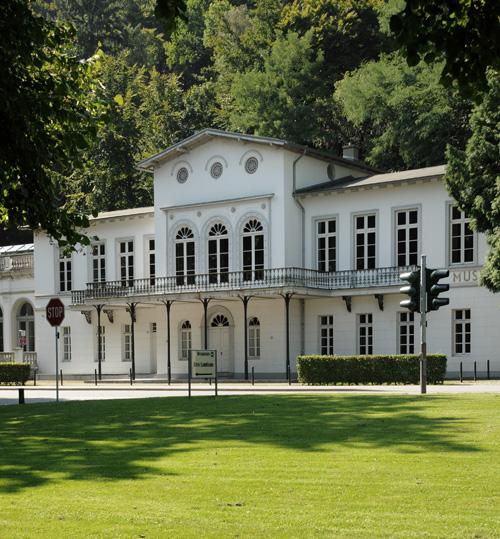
[[204, 363]]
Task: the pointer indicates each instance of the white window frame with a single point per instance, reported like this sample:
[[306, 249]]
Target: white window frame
[[129, 277], [406, 227], [221, 275], [256, 270], [150, 259], [363, 330], [462, 323], [254, 338], [326, 331], [462, 221], [101, 262], [65, 271], [65, 343], [408, 333], [185, 340], [187, 276], [126, 342], [365, 231], [103, 343], [327, 236]]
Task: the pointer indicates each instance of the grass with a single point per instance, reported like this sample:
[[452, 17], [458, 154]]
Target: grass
[[253, 466]]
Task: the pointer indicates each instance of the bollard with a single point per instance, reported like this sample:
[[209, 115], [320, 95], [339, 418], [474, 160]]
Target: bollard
[[95, 376], [210, 381], [475, 371], [253, 376], [21, 396], [488, 369], [131, 380], [461, 373], [61, 376], [34, 377]]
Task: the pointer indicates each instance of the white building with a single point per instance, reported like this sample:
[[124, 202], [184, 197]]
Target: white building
[[304, 246]]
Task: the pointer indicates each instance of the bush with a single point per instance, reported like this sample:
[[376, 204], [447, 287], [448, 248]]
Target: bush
[[393, 369], [14, 373]]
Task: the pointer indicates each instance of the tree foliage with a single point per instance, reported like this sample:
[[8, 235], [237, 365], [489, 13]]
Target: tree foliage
[[49, 114], [463, 34], [473, 177]]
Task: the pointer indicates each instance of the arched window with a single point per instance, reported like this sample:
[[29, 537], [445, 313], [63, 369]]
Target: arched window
[[1, 330], [184, 256], [26, 327], [253, 251], [219, 321], [254, 338], [185, 340], [218, 254]]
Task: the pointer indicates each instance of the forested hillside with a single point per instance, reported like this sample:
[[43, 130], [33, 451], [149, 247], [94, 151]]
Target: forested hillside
[[318, 72]]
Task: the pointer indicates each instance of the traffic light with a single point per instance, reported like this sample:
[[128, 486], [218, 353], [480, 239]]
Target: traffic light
[[412, 290], [433, 288]]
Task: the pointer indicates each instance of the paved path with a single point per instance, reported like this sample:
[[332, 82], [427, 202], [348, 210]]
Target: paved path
[[81, 391]]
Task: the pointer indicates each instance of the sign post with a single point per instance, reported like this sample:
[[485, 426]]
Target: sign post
[[54, 312], [202, 364]]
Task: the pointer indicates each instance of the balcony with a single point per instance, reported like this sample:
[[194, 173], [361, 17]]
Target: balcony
[[16, 265], [279, 278]]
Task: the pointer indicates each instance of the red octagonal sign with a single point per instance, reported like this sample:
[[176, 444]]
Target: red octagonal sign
[[55, 312]]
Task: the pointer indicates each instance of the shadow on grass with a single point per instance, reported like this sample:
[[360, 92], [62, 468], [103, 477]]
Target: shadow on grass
[[121, 439]]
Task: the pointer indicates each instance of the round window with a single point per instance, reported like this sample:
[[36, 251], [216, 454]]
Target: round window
[[182, 175], [330, 170], [216, 170], [251, 165]]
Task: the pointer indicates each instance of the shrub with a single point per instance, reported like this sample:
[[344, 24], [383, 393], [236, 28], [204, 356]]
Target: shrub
[[390, 369], [14, 373]]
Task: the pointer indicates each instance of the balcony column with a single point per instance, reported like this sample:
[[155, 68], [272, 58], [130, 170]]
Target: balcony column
[[132, 310], [98, 308], [287, 297], [168, 305], [245, 300], [205, 302]]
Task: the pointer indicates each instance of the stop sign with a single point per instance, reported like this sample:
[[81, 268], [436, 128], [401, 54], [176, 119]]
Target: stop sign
[[55, 312]]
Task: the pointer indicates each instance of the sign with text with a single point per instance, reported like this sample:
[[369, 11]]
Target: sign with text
[[464, 277], [203, 363], [55, 312]]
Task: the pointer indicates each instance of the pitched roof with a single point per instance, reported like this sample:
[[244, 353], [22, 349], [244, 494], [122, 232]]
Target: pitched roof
[[128, 212], [349, 182], [205, 135]]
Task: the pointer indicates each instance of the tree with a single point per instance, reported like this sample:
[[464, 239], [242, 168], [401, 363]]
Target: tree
[[463, 34], [49, 114], [406, 116], [473, 177]]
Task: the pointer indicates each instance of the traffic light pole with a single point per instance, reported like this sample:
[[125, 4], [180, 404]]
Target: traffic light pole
[[423, 326]]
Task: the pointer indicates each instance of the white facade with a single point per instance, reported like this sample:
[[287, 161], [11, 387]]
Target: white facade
[[240, 219]]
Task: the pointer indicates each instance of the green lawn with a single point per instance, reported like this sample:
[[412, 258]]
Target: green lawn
[[253, 466]]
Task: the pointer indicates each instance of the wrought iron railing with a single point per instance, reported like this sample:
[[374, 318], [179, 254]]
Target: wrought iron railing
[[241, 280]]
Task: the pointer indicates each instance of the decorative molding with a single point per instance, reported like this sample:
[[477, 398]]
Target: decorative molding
[[251, 153], [109, 314], [348, 302], [88, 316], [214, 158], [179, 164], [380, 301]]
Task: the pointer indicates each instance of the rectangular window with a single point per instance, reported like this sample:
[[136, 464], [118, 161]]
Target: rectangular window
[[406, 332], [461, 238], [66, 343], [151, 260], [127, 262], [64, 272], [326, 245], [326, 335], [461, 331], [98, 259], [365, 238], [365, 334], [254, 338], [126, 342], [103, 344], [407, 237]]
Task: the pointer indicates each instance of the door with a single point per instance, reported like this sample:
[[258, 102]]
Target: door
[[152, 347], [219, 338]]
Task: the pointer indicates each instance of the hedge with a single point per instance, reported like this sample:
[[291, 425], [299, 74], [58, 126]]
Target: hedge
[[14, 373], [391, 369]]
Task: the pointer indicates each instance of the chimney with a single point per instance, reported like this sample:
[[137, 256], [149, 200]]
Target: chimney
[[350, 152]]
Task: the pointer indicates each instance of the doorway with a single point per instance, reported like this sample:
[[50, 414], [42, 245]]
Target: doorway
[[220, 339], [152, 348]]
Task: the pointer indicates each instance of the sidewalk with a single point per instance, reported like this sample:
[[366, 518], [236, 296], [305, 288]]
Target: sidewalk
[[79, 390]]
